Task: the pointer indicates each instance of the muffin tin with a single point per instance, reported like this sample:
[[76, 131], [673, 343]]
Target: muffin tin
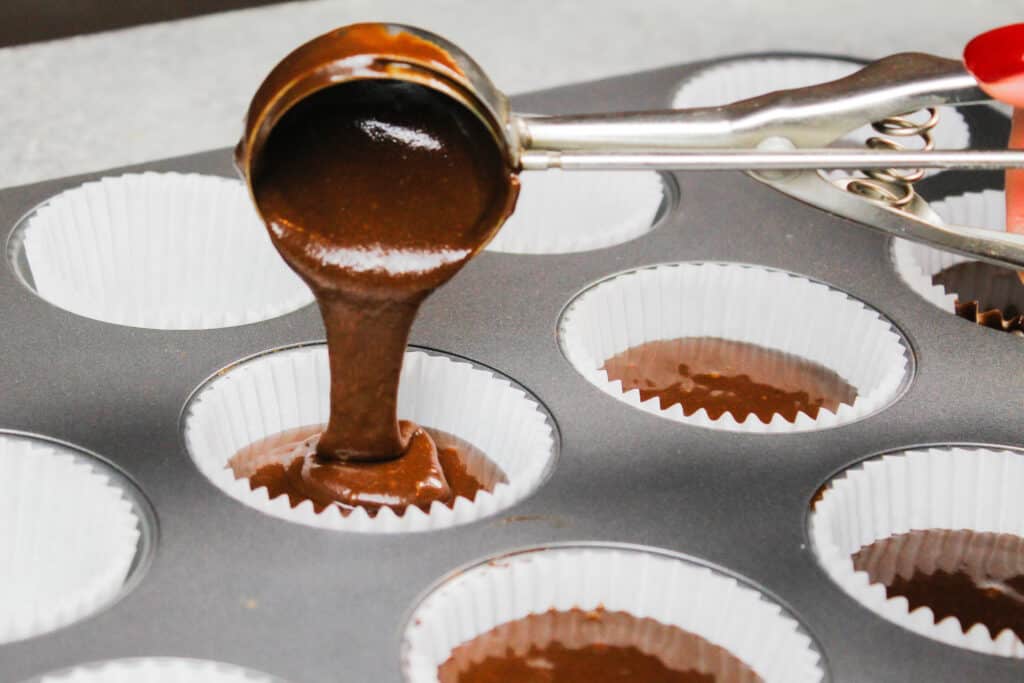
[[230, 584]]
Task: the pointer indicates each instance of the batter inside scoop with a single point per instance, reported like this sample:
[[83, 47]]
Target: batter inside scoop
[[376, 192]]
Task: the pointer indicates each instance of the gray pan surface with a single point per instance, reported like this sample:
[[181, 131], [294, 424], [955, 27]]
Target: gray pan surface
[[228, 583]]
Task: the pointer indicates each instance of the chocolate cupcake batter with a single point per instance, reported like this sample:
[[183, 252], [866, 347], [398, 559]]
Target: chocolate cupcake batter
[[977, 577], [723, 376], [375, 191], [988, 295], [286, 464], [591, 647]]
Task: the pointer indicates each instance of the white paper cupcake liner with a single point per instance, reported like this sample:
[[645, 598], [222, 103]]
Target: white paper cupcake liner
[[68, 537], [743, 78], [770, 308], [561, 212], [916, 263], [159, 250], [934, 488], [644, 583], [158, 670], [284, 389]]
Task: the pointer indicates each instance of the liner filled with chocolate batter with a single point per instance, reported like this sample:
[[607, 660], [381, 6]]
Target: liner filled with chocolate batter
[[735, 347], [592, 646], [978, 292], [602, 613], [932, 540], [245, 426], [988, 295]]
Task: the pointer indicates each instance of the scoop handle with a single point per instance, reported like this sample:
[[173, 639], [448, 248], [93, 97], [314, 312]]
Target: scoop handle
[[813, 116]]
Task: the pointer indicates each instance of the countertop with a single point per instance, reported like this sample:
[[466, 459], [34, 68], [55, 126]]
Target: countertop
[[172, 88]]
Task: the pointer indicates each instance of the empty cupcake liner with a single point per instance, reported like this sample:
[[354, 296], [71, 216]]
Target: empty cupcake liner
[[916, 263], [68, 537], [158, 670], [932, 488], [743, 78], [562, 212], [159, 250], [770, 308], [288, 388], [644, 583]]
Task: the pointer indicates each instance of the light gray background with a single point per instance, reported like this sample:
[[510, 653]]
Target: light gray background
[[97, 101]]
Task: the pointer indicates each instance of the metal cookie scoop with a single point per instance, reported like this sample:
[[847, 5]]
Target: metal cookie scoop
[[779, 137]]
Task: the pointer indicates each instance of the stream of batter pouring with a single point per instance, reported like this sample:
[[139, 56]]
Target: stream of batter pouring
[[375, 191]]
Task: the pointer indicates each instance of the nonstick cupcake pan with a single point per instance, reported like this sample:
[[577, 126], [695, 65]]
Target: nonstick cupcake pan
[[218, 580]]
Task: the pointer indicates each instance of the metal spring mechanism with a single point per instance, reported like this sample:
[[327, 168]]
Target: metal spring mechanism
[[895, 186]]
